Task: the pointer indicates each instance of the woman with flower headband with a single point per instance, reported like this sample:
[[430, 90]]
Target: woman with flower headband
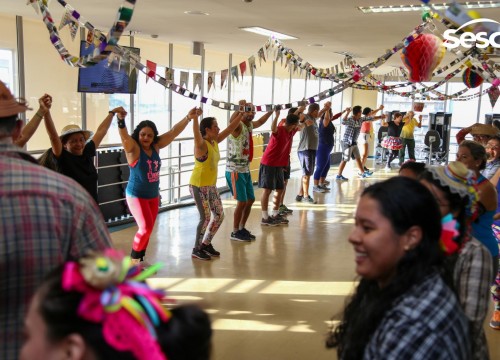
[[470, 261], [101, 308], [403, 307]]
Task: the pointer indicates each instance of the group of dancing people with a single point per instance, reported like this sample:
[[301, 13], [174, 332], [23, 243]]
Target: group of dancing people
[[425, 246]]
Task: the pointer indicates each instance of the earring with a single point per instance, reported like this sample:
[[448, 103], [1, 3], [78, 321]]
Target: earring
[[407, 247]]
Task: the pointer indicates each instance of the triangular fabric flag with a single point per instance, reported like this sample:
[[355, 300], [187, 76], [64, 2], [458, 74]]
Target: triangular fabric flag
[[90, 39], [210, 80], [243, 68], [493, 94], [261, 56], [66, 18], [234, 73], [151, 70], [280, 57], [73, 28], [35, 5], [169, 75], [184, 78], [223, 77], [196, 81], [251, 64]]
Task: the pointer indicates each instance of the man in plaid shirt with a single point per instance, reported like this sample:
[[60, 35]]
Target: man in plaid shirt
[[349, 142], [46, 219]]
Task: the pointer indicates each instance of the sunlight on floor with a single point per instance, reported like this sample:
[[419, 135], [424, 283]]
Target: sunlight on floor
[[212, 285]]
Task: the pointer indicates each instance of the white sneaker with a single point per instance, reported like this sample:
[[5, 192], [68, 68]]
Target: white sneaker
[[388, 168], [318, 189]]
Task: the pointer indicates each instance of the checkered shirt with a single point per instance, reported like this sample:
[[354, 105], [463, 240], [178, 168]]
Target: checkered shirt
[[473, 274], [45, 219], [425, 323], [353, 128]]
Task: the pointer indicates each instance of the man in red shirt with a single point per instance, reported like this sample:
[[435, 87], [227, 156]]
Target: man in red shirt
[[274, 160]]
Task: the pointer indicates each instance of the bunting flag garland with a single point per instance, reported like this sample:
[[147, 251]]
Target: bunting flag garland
[[223, 77], [184, 79], [243, 69], [151, 73], [261, 56], [493, 94], [106, 45], [234, 73], [347, 73], [251, 65], [210, 80], [169, 75], [196, 81]]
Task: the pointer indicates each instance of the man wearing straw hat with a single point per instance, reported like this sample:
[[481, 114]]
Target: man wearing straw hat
[[75, 152], [481, 133], [45, 220]]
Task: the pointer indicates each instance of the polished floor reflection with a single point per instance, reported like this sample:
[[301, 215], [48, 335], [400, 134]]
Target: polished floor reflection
[[271, 298]]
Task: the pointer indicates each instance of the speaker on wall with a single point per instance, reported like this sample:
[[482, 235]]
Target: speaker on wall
[[197, 48]]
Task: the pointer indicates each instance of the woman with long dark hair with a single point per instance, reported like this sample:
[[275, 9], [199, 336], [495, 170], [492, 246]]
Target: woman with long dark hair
[[99, 307], [453, 186], [402, 307], [392, 141], [203, 182], [142, 150]]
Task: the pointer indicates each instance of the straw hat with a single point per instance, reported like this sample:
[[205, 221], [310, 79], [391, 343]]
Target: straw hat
[[484, 129], [71, 129], [9, 106], [459, 180]]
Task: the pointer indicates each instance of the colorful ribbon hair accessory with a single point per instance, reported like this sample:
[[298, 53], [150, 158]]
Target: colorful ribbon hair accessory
[[449, 233], [115, 296]]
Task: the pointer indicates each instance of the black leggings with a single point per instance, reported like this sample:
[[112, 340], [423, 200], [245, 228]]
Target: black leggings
[[394, 154]]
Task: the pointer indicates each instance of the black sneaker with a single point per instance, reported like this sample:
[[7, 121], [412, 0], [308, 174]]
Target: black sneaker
[[365, 168], [284, 209], [240, 236], [280, 219], [299, 198], [200, 254], [250, 235], [209, 249], [268, 222]]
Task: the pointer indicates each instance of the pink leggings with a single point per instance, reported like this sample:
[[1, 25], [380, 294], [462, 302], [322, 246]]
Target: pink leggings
[[144, 212]]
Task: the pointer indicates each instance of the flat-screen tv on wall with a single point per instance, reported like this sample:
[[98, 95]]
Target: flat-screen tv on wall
[[102, 78]]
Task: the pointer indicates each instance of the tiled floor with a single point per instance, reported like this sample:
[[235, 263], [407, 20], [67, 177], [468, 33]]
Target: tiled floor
[[272, 298]]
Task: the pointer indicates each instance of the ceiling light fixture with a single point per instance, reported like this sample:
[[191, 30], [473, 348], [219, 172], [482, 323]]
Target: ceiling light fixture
[[316, 45], [196, 12], [268, 33], [420, 7]]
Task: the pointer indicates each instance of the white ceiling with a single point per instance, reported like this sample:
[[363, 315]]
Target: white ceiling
[[337, 24]]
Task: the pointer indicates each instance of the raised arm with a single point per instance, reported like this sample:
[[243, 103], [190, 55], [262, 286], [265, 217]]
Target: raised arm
[[419, 125], [225, 133], [373, 112], [262, 120], [274, 124], [166, 138], [104, 126], [55, 141], [346, 116], [130, 146], [200, 146], [29, 129]]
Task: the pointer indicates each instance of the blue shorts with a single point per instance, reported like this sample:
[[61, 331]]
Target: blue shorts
[[241, 185], [307, 159]]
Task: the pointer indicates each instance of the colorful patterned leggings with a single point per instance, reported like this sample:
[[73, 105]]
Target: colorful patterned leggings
[[145, 212], [495, 288], [208, 202]]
